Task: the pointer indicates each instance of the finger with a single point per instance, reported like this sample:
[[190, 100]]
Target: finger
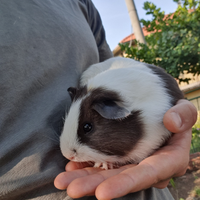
[[153, 170], [77, 165], [130, 180], [180, 117], [162, 184], [178, 148], [65, 178], [87, 185]]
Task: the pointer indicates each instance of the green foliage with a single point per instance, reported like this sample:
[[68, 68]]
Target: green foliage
[[197, 191], [195, 144], [174, 42], [172, 183]]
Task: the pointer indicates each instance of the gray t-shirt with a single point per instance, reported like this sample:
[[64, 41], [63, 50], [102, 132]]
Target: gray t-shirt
[[45, 45]]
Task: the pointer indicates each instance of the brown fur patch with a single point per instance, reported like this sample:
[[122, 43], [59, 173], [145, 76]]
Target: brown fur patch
[[109, 136]]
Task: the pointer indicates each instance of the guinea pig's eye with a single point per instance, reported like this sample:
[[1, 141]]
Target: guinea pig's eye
[[87, 127]]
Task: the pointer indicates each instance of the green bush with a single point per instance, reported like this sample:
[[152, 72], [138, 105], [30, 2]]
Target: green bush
[[174, 42], [195, 144]]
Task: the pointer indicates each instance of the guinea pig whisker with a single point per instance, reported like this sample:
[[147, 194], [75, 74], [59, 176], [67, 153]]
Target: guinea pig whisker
[[56, 140], [56, 136]]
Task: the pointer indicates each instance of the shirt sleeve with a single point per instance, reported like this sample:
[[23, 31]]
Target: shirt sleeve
[[95, 23]]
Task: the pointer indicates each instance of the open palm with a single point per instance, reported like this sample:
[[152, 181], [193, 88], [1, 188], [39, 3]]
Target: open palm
[[155, 171]]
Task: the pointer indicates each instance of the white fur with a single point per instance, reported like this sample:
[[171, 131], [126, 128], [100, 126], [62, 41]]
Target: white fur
[[109, 64], [140, 89], [68, 138]]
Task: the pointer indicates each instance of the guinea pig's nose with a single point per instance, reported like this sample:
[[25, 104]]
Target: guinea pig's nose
[[71, 158], [73, 154]]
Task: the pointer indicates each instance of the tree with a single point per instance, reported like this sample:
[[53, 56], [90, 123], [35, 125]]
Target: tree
[[173, 42]]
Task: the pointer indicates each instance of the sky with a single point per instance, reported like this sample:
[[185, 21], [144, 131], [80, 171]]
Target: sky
[[116, 19]]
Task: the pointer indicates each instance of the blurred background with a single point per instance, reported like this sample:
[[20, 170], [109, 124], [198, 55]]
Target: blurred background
[[116, 20]]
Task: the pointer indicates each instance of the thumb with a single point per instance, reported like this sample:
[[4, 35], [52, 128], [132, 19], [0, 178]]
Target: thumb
[[180, 117]]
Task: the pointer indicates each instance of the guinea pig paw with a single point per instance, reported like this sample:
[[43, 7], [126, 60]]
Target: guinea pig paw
[[110, 166], [101, 165], [104, 166], [97, 165]]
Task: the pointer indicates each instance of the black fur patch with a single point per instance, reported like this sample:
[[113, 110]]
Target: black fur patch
[[170, 83], [111, 137], [80, 92]]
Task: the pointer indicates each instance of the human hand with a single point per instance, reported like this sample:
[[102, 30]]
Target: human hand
[[155, 171]]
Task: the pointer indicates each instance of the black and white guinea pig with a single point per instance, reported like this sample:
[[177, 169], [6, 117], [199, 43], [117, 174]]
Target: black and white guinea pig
[[116, 116]]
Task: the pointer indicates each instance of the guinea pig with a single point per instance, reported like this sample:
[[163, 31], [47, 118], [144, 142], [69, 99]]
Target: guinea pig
[[116, 115]]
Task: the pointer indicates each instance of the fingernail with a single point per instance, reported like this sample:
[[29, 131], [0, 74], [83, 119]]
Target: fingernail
[[176, 119]]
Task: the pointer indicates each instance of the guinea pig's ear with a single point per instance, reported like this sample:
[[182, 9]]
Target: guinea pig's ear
[[72, 92], [110, 110]]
